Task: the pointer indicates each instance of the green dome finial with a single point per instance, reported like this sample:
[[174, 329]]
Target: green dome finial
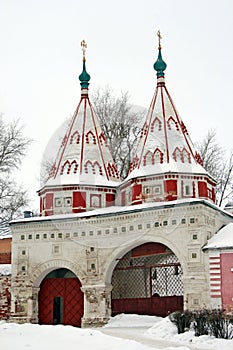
[[160, 65], [84, 76]]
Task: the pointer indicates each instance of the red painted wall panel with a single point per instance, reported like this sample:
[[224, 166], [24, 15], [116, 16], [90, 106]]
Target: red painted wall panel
[[148, 249], [170, 189], [110, 199], [159, 306], [170, 186], [202, 189], [137, 194], [79, 201], [49, 201], [48, 212], [227, 280], [48, 204]]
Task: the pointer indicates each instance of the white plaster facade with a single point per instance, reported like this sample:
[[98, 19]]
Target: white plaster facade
[[89, 245]]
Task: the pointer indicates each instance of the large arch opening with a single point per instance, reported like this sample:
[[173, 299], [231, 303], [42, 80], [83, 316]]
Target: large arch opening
[[147, 281], [61, 299]]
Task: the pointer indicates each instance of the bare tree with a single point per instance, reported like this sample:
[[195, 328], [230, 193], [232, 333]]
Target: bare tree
[[121, 123], [217, 165], [225, 181], [12, 199], [13, 145]]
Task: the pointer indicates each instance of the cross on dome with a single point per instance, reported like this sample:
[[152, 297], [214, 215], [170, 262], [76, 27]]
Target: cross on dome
[[84, 76], [84, 48], [159, 37]]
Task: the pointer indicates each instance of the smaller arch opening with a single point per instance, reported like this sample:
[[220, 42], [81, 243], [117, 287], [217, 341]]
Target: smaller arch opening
[[61, 298]]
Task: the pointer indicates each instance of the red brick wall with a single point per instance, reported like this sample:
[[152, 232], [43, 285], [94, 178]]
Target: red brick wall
[[5, 245], [5, 297], [5, 251], [5, 258]]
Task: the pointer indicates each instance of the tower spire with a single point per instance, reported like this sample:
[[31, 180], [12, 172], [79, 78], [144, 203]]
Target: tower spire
[[84, 76], [160, 65]]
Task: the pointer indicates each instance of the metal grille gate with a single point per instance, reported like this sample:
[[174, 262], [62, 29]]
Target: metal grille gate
[[148, 284]]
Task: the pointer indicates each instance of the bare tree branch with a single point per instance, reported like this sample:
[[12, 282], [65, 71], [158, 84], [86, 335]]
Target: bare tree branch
[[13, 147], [226, 182], [12, 199], [120, 124], [217, 165]]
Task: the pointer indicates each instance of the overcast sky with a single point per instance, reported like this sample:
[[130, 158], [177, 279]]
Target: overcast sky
[[41, 59]]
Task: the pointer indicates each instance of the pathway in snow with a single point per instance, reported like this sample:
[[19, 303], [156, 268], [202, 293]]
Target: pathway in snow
[[137, 334]]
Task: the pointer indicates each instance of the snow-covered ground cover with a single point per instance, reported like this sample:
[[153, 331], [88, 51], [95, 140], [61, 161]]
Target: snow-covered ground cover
[[164, 329], [132, 332]]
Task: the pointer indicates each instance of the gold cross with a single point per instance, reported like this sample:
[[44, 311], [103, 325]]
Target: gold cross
[[160, 37], [84, 47]]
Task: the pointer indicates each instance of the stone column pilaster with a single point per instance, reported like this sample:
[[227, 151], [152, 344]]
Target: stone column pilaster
[[21, 301], [195, 291], [97, 305], [35, 305]]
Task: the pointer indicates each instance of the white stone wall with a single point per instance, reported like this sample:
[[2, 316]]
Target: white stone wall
[[91, 246]]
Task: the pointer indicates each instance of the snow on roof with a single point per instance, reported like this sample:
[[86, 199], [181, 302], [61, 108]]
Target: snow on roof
[[5, 269], [81, 180], [120, 210], [5, 231], [172, 166], [222, 239]]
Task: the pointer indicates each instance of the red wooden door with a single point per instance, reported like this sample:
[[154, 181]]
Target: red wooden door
[[68, 290]]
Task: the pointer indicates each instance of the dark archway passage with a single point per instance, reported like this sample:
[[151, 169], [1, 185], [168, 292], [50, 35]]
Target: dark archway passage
[[147, 280], [61, 299]]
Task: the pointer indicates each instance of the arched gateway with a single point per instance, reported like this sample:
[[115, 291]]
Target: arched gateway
[[147, 280], [61, 299]]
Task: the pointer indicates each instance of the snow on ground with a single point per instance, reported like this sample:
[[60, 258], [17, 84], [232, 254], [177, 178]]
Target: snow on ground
[[123, 320], [5, 269], [36, 337], [156, 333], [165, 329]]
